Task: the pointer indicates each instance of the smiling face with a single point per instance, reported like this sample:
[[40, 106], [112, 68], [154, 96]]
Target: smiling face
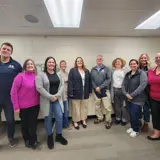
[[133, 65], [63, 66], [118, 64], [30, 67], [99, 60], [143, 59], [51, 64], [5, 51], [79, 62], [157, 59]]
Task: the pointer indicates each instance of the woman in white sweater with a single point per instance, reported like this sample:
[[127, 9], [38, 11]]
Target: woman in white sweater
[[118, 99]]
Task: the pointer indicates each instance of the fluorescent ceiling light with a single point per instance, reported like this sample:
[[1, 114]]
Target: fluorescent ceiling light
[[151, 23], [65, 13]]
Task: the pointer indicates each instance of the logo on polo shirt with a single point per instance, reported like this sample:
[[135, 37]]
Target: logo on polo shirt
[[11, 66]]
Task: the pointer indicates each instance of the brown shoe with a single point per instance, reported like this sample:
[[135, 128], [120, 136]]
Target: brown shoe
[[145, 127], [108, 125], [97, 121], [70, 126]]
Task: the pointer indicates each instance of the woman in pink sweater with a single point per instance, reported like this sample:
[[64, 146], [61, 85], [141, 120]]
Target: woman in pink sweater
[[25, 101], [154, 86]]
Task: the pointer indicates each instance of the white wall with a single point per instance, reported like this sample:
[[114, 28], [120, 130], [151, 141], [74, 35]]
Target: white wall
[[68, 48]]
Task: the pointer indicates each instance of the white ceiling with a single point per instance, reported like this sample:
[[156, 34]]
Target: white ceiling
[[99, 18]]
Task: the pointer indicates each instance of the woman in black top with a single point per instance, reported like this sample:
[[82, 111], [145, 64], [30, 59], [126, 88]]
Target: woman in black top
[[50, 86], [79, 89]]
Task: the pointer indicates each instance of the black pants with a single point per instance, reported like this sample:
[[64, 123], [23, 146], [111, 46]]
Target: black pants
[[7, 107], [155, 109], [29, 123]]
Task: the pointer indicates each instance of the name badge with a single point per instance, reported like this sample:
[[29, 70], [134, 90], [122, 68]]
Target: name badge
[[102, 70]]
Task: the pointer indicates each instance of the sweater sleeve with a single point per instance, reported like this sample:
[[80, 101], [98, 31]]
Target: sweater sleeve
[[124, 84], [92, 81], [39, 86], [14, 91], [61, 87], [70, 83]]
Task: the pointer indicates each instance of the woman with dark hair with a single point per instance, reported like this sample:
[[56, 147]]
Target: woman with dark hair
[[50, 86], [25, 99], [154, 92], [144, 64], [79, 89], [133, 88]]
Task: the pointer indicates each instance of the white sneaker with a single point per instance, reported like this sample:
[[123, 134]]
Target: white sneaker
[[134, 134], [130, 130]]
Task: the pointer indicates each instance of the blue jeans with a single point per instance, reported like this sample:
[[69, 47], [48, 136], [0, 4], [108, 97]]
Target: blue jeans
[[134, 112], [57, 110], [146, 112], [65, 114]]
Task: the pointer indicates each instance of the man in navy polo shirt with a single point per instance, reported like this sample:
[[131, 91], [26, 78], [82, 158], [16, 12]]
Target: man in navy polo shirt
[[9, 68]]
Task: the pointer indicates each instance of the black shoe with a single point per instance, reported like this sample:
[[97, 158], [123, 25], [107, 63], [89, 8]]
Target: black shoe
[[27, 144], [117, 122], [34, 146], [61, 139], [76, 127], [123, 123], [84, 125], [153, 139], [13, 142], [50, 141]]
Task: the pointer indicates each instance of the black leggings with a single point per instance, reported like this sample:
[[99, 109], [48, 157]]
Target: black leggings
[[29, 123], [155, 109]]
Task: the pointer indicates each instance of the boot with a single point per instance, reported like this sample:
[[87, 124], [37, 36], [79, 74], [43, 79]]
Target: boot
[[50, 141], [61, 139], [145, 127], [108, 125]]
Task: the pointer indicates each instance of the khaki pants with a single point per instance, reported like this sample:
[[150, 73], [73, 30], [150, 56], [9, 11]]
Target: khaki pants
[[79, 110], [103, 107]]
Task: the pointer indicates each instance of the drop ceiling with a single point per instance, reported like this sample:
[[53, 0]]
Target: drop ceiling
[[99, 18]]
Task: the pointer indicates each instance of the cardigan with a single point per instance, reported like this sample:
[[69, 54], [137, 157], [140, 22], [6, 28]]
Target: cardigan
[[43, 86]]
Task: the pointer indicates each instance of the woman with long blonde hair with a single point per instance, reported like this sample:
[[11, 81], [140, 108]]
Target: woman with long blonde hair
[[144, 64]]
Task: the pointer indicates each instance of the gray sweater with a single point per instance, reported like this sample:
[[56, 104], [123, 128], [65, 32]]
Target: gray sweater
[[101, 78], [135, 86], [42, 86]]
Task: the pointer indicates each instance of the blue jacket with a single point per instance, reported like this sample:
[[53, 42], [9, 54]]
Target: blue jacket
[[8, 72], [75, 86]]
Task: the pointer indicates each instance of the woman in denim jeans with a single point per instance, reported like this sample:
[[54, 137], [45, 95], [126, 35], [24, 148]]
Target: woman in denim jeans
[[144, 64], [64, 74], [133, 88], [50, 86]]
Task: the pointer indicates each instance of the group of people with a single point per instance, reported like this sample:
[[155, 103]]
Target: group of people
[[131, 94]]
